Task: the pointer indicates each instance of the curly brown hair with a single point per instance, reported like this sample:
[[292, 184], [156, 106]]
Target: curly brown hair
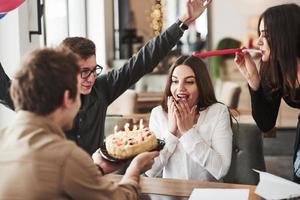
[[39, 85]]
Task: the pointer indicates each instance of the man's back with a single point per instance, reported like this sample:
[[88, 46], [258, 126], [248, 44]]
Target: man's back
[[37, 162], [32, 159]]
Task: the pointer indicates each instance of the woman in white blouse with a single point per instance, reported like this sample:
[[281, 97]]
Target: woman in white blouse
[[195, 126]]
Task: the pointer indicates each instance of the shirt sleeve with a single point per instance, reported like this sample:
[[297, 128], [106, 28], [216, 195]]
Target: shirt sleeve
[[214, 157], [171, 141], [5, 82], [147, 58], [82, 180], [264, 110]]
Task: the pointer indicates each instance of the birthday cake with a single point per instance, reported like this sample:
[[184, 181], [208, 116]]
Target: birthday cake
[[128, 143]]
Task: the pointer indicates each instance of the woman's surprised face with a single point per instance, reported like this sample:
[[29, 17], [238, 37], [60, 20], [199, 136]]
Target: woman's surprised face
[[184, 86]]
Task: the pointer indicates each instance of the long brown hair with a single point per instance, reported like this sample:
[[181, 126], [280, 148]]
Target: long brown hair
[[203, 81], [282, 25]]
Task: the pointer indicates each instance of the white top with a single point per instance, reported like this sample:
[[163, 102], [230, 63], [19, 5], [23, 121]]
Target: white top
[[203, 153]]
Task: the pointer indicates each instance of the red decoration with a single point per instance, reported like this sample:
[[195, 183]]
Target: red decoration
[[8, 5], [217, 52]]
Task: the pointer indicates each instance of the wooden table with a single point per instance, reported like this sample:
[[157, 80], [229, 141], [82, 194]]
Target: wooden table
[[181, 188]]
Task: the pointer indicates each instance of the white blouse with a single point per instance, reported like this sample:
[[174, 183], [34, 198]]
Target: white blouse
[[203, 153]]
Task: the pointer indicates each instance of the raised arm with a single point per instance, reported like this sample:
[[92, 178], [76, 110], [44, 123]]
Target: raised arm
[[5, 82], [151, 54], [264, 110]]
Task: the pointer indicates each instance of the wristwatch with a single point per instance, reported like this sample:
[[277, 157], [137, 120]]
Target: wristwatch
[[182, 26]]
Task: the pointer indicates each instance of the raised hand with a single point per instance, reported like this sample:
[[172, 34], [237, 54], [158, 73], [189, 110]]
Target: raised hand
[[194, 8], [172, 124], [185, 116], [248, 69]]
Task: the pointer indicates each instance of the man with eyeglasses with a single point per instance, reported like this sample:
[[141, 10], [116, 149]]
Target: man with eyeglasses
[[98, 92], [86, 72], [36, 159]]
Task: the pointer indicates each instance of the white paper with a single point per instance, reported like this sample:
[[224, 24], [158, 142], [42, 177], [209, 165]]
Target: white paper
[[274, 187], [216, 193]]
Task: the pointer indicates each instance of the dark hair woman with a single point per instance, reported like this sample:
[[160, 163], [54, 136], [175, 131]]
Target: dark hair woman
[[279, 72], [196, 128]]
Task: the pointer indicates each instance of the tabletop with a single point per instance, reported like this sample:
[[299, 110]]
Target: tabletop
[[181, 189]]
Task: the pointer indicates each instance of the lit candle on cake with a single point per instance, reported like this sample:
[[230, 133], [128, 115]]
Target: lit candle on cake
[[115, 128], [126, 127], [134, 128], [141, 124]]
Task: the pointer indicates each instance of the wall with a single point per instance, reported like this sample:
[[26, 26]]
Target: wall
[[100, 28], [229, 18], [9, 40], [14, 40], [95, 24], [143, 20]]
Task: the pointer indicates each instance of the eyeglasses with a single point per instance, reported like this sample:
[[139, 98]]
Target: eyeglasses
[[86, 72]]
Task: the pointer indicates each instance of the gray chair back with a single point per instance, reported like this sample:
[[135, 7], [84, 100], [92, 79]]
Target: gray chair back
[[247, 154]]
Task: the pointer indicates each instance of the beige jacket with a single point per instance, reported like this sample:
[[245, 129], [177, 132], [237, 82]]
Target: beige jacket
[[38, 162]]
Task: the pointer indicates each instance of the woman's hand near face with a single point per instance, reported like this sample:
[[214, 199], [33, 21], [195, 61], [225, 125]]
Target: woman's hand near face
[[185, 116], [172, 124], [248, 69]]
